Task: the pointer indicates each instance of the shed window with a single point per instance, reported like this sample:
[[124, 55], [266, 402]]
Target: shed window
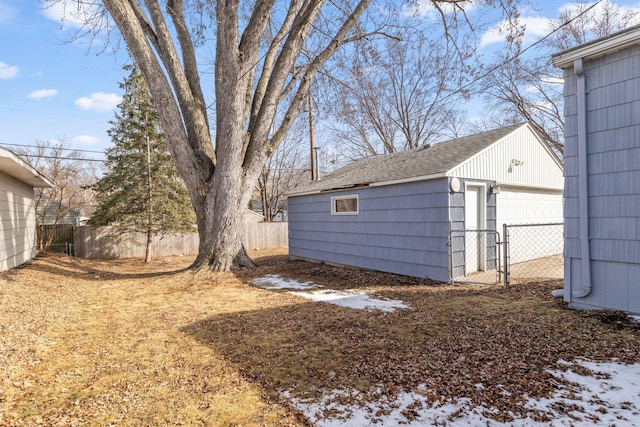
[[344, 205]]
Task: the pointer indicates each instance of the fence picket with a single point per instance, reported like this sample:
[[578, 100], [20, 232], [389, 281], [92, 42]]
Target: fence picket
[[101, 243]]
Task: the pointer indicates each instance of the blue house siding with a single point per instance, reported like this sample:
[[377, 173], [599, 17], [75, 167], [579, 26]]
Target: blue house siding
[[613, 164], [400, 228]]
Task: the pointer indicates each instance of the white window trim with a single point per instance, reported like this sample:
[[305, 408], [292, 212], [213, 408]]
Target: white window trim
[[482, 225], [350, 196]]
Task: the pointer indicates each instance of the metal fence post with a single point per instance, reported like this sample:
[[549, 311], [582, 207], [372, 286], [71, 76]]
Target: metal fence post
[[505, 242]]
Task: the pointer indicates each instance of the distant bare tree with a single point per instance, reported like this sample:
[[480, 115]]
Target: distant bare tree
[[286, 168], [71, 175], [531, 88], [579, 22], [398, 95]]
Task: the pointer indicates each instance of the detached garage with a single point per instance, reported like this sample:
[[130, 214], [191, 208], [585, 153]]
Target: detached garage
[[17, 209], [400, 212]]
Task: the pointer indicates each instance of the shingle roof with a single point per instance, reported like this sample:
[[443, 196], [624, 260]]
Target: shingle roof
[[423, 161]]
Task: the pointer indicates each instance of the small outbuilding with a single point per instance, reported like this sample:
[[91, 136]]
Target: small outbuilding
[[399, 212], [52, 212], [602, 170], [17, 209]]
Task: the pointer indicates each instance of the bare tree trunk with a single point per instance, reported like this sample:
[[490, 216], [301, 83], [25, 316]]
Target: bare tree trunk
[[221, 247], [147, 251]]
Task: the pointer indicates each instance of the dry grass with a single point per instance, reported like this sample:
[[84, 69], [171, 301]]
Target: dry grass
[[120, 342]]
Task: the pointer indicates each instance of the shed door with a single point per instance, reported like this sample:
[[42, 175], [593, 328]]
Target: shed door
[[473, 220]]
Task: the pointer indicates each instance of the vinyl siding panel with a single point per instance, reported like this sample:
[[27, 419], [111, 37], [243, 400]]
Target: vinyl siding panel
[[537, 169], [17, 223], [613, 157], [400, 229]]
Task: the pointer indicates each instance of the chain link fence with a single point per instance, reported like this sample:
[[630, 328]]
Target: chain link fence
[[533, 251], [474, 256], [526, 252]]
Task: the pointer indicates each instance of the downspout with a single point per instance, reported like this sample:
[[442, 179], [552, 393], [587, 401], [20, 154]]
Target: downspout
[[583, 180]]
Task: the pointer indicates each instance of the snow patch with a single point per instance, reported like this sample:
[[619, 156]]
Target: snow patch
[[360, 300], [353, 299], [275, 282], [608, 396]]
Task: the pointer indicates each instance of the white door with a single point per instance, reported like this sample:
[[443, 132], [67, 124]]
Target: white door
[[473, 208]]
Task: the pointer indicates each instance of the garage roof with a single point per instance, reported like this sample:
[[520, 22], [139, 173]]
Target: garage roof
[[14, 166], [419, 163]]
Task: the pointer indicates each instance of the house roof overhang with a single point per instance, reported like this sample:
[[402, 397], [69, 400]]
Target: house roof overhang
[[14, 166], [596, 48]]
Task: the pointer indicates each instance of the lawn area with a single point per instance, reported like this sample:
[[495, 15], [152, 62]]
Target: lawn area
[[121, 342]]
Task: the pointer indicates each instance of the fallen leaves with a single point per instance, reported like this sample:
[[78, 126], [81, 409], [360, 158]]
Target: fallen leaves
[[155, 344]]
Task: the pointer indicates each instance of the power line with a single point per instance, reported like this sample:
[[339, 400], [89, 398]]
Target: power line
[[46, 148], [66, 158], [509, 59]]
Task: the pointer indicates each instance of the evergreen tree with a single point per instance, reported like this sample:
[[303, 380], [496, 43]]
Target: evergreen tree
[[141, 190]]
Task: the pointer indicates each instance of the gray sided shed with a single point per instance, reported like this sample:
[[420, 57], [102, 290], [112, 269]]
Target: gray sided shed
[[602, 172], [394, 213], [50, 212], [17, 209]]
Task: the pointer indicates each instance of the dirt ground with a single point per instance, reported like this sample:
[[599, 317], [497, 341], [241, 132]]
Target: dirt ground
[[121, 342]]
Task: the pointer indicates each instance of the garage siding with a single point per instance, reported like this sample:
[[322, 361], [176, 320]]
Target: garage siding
[[400, 229], [17, 222]]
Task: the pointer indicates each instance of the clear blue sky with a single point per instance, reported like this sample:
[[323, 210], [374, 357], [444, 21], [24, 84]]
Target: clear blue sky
[[51, 88]]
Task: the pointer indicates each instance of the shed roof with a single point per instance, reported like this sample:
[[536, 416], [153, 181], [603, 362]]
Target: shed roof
[[423, 162], [599, 47], [12, 165]]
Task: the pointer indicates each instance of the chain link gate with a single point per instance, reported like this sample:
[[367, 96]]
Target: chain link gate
[[533, 251], [474, 257]]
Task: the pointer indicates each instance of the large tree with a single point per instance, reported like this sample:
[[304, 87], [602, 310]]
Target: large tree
[[141, 191], [266, 54]]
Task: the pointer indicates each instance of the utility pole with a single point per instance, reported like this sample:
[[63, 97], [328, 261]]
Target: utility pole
[[314, 175], [315, 152]]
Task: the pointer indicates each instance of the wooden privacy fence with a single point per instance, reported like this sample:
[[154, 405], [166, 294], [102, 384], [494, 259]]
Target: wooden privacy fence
[[102, 243]]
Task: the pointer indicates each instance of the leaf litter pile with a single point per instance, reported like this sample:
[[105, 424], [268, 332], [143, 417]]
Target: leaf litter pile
[[120, 342]]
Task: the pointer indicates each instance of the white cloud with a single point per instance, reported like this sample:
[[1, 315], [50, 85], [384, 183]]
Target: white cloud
[[43, 93], [424, 8], [86, 140], [535, 28], [491, 36], [7, 71], [70, 12], [99, 101]]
